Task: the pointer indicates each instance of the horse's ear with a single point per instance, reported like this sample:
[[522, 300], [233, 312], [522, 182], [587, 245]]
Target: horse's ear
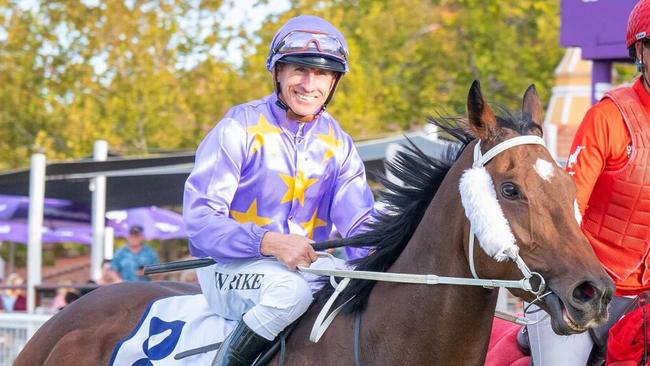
[[481, 118], [531, 106]]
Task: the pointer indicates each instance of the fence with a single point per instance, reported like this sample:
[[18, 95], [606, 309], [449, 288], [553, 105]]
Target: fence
[[15, 331]]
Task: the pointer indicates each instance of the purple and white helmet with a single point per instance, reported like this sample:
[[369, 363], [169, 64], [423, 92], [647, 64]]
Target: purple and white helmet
[[311, 41]]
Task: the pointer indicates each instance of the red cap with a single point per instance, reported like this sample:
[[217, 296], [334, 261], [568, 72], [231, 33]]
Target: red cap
[[638, 24]]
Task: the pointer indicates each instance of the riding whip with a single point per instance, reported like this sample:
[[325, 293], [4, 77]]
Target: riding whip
[[204, 262]]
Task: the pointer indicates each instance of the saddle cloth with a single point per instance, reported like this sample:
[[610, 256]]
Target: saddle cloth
[[169, 326]]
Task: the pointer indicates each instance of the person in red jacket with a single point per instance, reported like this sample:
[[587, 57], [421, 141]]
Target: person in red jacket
[[610, 164]]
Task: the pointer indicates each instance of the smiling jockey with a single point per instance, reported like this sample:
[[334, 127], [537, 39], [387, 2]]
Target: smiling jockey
[[609, 161], [274, 175]]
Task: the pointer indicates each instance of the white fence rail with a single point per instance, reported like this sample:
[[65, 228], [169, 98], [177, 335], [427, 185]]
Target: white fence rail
[[15, 331]]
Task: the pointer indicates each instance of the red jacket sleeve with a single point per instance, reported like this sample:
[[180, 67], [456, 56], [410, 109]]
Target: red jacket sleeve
[[600, 144]]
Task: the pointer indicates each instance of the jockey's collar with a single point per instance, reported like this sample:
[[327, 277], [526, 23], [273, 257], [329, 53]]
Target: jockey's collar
[[308, 118]]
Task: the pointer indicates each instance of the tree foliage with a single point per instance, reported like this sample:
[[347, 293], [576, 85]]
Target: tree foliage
[[155, 75]]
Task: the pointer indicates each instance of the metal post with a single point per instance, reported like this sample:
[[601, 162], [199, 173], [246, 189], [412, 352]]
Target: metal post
[[109, 235], [601, 79], [35, 227], [98, 187]]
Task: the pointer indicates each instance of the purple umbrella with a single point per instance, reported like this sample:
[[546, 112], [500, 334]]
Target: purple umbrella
[[56, 212], [158, 223], [14, 231], [82, 234], [72, 220]]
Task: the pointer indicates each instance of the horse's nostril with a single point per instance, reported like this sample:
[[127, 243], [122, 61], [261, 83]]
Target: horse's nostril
[[584, 292]]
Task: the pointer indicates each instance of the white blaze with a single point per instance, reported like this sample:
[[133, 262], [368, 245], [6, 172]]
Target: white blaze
[[544, 169]]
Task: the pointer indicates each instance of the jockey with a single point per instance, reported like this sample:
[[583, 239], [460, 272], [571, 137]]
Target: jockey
[[274, 175], [610, 158]]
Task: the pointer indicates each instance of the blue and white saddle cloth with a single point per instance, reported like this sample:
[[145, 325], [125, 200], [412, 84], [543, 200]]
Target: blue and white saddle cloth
[[170, 326]]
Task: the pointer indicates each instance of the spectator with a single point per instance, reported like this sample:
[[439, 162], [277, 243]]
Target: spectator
[[64, 296], [13, 299], [109, 275], [70, 297], [129, 261], [59, 300]]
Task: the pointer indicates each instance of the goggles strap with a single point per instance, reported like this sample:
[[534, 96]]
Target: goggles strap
[[331, 94]]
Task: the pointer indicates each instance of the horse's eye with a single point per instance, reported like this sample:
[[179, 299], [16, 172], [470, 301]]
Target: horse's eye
[[510, 191]]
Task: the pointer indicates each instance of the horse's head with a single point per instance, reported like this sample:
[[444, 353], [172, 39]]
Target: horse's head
[[527, 200]]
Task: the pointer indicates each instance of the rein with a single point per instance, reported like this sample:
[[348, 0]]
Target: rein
[[512, 251]]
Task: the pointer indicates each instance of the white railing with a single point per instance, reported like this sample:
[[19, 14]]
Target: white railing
[[15, 331]]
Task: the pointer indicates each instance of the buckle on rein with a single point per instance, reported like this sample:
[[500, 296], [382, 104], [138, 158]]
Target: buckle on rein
[[528, 275]]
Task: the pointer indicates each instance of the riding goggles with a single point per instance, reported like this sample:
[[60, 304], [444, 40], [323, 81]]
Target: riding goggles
[[306, 41]]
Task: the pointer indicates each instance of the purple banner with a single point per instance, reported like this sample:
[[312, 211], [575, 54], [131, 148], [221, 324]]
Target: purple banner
[[596, 26]]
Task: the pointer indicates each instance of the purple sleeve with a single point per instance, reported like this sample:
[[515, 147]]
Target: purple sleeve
[[352, 206], [209, 191]]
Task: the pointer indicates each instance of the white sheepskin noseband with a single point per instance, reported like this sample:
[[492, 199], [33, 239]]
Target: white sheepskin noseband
[[485, 215], [481, 206]]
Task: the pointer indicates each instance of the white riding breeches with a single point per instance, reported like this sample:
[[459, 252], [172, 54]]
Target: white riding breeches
[[262, 292], [549, 349]]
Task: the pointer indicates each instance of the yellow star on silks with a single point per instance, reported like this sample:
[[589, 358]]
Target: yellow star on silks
[[261, 131], [313, 224], [331, 143], [296, 187], [250, 216]]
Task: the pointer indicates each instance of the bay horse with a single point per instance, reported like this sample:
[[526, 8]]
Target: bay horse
[[424, 231]]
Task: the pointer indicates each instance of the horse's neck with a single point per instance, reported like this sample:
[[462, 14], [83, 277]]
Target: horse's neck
[[416, 324], [438, 243], [453, 321]]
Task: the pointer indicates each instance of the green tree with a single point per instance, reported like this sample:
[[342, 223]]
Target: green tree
[[149, 76], [412, 58], [73, 73]]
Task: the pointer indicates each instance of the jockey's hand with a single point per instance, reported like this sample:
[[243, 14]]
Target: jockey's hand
[[290, 249]]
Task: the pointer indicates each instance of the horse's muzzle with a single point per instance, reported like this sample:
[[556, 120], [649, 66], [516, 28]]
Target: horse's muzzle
[[584, 306]]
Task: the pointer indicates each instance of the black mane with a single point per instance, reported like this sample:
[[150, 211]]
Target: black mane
[[406, 204]]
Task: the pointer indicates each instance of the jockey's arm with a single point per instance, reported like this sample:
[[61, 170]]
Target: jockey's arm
[[352, 205], [209, 191], [600, 145]]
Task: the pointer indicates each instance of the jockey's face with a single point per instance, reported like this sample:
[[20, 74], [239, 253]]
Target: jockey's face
[[304, 89]]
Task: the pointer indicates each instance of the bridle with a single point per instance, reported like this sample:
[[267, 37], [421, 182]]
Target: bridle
[[323, 320], [512, 252]]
